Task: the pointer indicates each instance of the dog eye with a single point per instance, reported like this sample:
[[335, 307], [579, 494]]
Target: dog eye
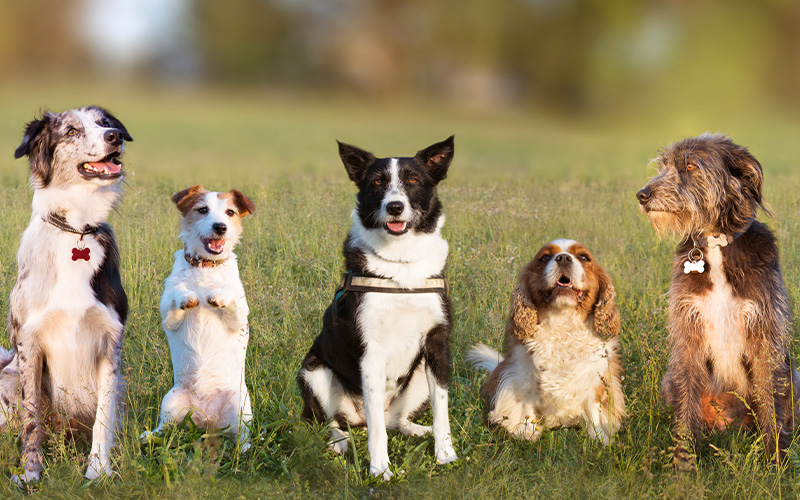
[[105, 123], [413, 180], [583, 257], [377, 182], [545, 258], [230, 213], [203, 210], [72, 131], [691, 166]]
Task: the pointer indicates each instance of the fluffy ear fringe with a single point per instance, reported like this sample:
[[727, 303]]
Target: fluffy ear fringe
[[607, 322], [523, 322]]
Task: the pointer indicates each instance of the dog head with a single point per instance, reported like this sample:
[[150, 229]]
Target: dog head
[[397, 196], [704, 185], [564, 278], [212, 222], [77, 146]]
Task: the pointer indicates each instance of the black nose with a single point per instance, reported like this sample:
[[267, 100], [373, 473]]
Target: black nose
[[395, 207], [563, 258], [644, 195], [219, 228], [112, 137]]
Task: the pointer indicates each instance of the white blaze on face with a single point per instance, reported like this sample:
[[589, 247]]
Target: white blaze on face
[[395, 192], [574, 271]]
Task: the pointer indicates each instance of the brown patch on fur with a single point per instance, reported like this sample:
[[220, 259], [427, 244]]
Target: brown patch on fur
[[186, 199], [724, 411], [242, 203]]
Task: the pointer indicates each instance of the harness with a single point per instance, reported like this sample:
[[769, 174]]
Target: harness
[[360, 283]]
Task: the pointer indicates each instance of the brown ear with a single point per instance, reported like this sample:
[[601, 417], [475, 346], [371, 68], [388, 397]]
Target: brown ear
[[523, 321], [607, 322], [185, 199], [243, 203]]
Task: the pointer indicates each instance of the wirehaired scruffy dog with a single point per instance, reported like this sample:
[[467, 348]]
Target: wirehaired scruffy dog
[[561, 366], [729, 317], [68, 307], [204, 313], [382, 354]]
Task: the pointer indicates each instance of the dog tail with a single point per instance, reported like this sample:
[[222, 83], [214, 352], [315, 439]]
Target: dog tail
[[483, 357]]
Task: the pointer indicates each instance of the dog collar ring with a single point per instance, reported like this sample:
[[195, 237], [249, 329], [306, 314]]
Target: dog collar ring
[[695, 262]]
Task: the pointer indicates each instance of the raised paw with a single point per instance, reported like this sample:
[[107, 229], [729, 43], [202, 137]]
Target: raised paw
[[218, 299], [189, 301]]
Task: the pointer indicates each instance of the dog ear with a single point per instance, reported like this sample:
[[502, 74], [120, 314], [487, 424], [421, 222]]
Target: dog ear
[[185, 199], [607, 322], [243, 203], [437, 158], [36, 145], [747, 169], [115, 123], [523, 321], [356, 161]]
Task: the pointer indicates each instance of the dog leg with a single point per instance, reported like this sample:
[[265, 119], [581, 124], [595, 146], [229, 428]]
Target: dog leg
[[684, 385], [105, 423], [771, 392], [9, 395], [410, 400], [174, 406], [30, 369], [174, 311], [373, 380], [437, 369]]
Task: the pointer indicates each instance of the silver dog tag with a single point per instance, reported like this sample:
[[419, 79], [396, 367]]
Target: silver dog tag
[[695, 264]]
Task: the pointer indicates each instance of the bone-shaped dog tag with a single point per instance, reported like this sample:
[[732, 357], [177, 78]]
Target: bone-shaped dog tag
[[721, 241], [694, 267]]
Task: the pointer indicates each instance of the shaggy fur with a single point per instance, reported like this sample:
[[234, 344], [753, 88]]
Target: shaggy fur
[[381, 357], [561, 365], [66, 315], [729, 325], [204, 314]]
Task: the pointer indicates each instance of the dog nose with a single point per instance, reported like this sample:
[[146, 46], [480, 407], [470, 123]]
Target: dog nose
[[112, 137], [395, 207], [219, 228], [644, 195], [563, 258]]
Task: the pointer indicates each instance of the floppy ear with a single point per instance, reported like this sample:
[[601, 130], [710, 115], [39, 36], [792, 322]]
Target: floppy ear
[[356, 161], [243, 203], [607, 322], [35, 145], [523, 321], [115, 123], [747, 169], [185, 199], [437, 158]]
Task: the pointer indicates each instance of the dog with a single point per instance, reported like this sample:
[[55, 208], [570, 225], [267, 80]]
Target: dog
[[383, 351], [67, 308], [729, 317], [562, 365], [204, 314]]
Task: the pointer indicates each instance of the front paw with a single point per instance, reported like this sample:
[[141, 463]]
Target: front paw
[[98, 468], [446, 455], [188, 301], [220, 299], [381, 468], [28, 477]]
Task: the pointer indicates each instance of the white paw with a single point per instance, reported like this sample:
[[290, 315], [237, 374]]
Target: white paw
[[338, 445], [97, 468], [188, 301], [410, 429], [26, 478], [446, 455], [381, 469], [218, 298], [243, 447]]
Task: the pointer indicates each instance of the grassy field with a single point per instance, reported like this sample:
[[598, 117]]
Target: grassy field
[[517, 181]]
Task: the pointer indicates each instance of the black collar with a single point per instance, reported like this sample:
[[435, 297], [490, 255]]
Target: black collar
[[61, 223]]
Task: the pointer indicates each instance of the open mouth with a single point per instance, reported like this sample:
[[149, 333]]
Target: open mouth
[[214, 245], [565, 285], [396, 227], [109, 167]]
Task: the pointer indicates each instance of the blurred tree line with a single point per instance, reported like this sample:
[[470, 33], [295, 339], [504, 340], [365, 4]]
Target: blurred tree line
[[574, 55]]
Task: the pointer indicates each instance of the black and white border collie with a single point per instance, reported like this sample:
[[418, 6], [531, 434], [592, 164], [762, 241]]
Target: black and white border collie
[[381, 357], [68, 307]]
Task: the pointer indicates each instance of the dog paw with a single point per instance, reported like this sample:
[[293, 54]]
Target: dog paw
[[219, 299], [446, 455], [98, 468], [381, 469], [412, 429], [189, 301], [26, 478], [243, 447]]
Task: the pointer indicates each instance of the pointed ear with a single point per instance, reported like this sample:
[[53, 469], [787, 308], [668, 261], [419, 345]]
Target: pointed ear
[[115, 123], [185, 199], [243, 203], [356, 161], [607, 322], [437, 158], [747, 169], [523, 321], [36, 146]]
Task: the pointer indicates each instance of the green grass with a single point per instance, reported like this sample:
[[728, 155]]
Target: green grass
[[516, 182]]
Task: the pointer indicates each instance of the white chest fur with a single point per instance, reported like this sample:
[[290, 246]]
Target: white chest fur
[[724, 318]]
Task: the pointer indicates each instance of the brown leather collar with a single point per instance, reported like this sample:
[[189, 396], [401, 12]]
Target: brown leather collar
[[200, 262]]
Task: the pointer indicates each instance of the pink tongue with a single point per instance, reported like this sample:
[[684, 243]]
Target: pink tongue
[[396, 227], [106, 167], [216, 245]]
